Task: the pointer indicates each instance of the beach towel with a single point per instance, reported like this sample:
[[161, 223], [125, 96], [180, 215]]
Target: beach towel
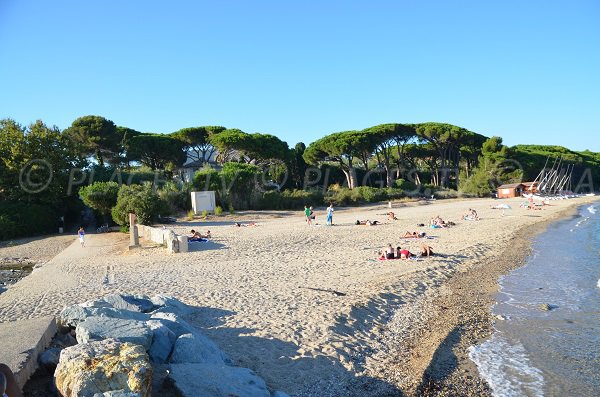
[[198, 240]]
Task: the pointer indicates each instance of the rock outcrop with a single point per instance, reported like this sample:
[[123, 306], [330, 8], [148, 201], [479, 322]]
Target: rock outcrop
[[98, 328], [120, 339], [107, 365], [208, 380]]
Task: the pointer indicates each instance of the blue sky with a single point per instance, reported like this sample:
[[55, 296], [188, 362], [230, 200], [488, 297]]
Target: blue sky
[[526, 71]]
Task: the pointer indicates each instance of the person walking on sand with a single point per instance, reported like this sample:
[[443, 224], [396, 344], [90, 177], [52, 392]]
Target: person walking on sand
[[330, 214], [81, 234], [308, 214]]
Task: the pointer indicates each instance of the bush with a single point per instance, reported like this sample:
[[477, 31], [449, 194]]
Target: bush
[[204, 214], [240, 186], [19, 219], [8, 228], [176, 196], [218, 210], [358, 195], [405, 185], [100, 196], [290, 199], [140, 200], [190, 215], [231, 209]]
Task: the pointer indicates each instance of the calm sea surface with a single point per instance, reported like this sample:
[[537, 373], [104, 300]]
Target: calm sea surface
[[556, 352]]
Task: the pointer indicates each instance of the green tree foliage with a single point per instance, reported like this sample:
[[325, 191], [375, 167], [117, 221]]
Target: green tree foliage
[[20, 219], [494, 169], [141, 200], [388, 139], [259, 149], [124, 157], [237, 184], [101, 196], [240, 184], [157, 151], [297, 166], [96, 136], [341, 148], [196, 141], [35, 163], [446, 139]]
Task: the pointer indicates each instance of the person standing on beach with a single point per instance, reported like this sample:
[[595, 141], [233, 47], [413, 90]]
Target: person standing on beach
[[81, 234], [308, 214], [330, 214]]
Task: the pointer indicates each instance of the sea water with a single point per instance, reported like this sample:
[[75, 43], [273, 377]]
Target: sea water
[[556, 352]]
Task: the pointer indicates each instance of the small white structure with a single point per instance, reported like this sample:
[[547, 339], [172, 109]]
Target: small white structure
[[203, 201]]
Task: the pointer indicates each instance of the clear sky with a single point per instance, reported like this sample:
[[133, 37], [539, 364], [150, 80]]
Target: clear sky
[[528, 71]]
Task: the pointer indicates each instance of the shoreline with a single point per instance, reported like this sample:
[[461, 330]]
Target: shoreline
[[400, 327], [437, 361]]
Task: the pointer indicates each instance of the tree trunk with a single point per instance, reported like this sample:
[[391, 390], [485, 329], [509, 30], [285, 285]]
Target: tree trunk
[[389, 176]]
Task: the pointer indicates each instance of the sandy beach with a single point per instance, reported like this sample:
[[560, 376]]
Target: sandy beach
[[311, 309]]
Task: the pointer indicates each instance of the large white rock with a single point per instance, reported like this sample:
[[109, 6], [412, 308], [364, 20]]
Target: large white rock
[[197, 348], [98, 328], [206, 380], [103, 366], [163, 340]]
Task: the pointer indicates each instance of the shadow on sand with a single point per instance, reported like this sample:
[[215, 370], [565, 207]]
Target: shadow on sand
[[278, 361], [209, 245], [442, 364]]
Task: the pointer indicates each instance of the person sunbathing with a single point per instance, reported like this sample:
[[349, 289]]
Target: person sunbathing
[[404, 254], [391, 216], [367, 223], [249, 224], [196, 236], [426, 250], [413, 235]]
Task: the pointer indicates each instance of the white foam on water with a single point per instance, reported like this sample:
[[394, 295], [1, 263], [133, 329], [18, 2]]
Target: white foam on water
[[506, 368], [598, 284], [591, 209]]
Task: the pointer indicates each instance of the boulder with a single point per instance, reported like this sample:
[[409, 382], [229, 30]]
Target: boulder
[[170, 305], [72, 315], [163, 340], [103, 366], [129, 302], [50, 358], [98, 328], [197, 348], [207, 380], [176, 324]]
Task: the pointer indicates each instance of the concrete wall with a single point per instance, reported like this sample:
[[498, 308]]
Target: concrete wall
[[165, 236]]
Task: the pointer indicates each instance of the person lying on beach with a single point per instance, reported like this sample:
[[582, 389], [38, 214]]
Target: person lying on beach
[[367, 223], [404, 254], [414, 235], [391, 216], [426, 250], [249, 224], [8, 383]]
